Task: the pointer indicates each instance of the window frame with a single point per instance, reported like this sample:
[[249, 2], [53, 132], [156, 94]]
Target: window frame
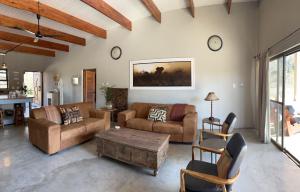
[[6, 80]]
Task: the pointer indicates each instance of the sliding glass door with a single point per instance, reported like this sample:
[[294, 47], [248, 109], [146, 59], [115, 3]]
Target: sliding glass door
[[284, 103], [276, 100]]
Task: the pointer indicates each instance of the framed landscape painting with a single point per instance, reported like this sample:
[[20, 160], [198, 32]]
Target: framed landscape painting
[[162, 74]]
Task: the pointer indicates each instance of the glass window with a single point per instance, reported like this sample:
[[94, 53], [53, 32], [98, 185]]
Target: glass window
[[3, 79]]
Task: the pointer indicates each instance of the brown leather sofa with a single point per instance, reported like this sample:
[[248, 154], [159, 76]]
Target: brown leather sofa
[[52, 137], [183, 131]]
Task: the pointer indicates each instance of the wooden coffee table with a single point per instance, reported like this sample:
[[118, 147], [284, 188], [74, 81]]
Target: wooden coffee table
[[141, 148]]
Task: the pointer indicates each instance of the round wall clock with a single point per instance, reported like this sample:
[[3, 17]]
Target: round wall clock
[[116, 52], [215, 43]]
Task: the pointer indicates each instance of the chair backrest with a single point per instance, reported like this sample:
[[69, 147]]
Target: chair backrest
[[229, 123], [237, 149]]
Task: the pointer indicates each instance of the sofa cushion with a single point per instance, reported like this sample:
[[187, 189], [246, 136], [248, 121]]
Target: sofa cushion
[[53, 114], [93, 125], [72, 130], [170, 127], [139, 123]]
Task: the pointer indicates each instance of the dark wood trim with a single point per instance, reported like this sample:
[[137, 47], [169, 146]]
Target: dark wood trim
[[16, 38], [153, 9], [228, 5], [25, 49], [11, 22], [55, 15], [191, 7], [110, 12]]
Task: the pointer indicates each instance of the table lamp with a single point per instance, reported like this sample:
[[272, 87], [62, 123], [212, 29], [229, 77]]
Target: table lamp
[[211, 96]]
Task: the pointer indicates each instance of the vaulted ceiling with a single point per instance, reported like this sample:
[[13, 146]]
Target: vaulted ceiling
[[74, 21]]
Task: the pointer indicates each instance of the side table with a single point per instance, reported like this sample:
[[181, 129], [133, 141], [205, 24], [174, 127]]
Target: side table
[[215, 121], [110, 111]]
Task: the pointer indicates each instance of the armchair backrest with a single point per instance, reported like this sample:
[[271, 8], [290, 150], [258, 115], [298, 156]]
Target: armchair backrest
[[229, 123], [237, 149]]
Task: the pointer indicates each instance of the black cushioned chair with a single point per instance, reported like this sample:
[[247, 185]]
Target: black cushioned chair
[[200, 176], [216, 141]]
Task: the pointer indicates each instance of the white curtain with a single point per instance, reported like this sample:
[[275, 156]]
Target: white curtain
[[262, 97]]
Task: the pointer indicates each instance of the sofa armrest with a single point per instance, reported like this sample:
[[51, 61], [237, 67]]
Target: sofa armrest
[[125, 116], [190, 123], [101, 114], [44, 134]]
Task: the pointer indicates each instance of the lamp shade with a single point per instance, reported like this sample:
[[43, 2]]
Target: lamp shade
[[3, 66], [211, 96]]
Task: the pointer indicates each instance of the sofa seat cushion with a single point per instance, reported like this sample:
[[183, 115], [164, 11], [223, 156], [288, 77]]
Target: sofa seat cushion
[[139, 123], [170, 127], [72, 130], [93, 125]]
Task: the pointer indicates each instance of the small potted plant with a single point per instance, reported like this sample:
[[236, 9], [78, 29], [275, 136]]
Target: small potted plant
[[107, 92]]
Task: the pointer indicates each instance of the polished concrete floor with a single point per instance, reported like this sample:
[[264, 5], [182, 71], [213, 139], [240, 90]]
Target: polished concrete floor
[[25, 168]]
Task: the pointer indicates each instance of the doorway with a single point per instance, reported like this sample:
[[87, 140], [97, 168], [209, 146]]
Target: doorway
[[89, 85], [284, 104], [34, 83]]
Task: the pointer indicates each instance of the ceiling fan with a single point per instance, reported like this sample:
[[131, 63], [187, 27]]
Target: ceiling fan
[[38, 34]]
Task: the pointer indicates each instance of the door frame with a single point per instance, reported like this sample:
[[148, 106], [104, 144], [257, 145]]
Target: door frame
[[83, 83], [42, 84], [282, 146]]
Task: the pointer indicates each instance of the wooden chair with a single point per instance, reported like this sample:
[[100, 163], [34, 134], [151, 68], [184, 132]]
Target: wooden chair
[[215, 142], [200, 176]]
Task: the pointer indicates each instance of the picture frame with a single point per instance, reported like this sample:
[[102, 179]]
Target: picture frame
[[162, 74]]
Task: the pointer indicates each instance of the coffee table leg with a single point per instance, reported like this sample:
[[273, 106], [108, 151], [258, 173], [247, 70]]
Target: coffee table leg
[[155, 172]]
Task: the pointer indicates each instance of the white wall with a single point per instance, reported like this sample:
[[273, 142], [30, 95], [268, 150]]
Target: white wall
[[277, 19], [20, 62], [179, 35]]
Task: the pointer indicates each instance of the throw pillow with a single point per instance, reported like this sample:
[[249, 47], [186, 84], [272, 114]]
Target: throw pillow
[[224, 164], [156, 114], [65, 116], [76, 114]]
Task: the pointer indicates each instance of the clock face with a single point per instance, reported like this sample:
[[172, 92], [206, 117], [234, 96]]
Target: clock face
[[215, 43], [116, 52]]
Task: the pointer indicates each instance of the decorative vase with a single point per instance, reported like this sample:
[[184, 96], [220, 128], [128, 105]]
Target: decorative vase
[[109, 105]]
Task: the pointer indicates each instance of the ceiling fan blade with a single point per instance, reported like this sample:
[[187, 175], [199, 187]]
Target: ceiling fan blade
[[51, 36], [29, 31]]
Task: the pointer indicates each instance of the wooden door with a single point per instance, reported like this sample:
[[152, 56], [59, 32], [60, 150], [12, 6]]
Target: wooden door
[[89, 85]]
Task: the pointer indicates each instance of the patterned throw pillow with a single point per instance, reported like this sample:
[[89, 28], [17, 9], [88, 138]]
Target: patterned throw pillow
[[76, 114], [65, 116], [156, 114], [70, 115]]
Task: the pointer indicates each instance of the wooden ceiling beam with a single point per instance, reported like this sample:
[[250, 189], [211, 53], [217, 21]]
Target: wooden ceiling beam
[[191, 7], [12, 37], [110, 12], [56, 15], [150, 5], [25, 49], [13, 22], [228, 6]]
